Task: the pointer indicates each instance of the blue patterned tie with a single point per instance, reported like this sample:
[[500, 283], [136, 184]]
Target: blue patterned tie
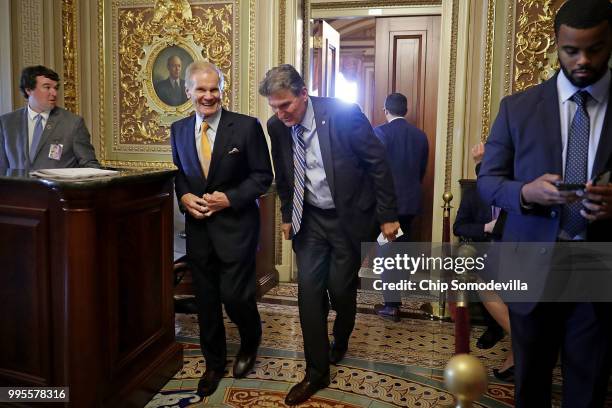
[[38, 130], [576, 162], [299, 177]]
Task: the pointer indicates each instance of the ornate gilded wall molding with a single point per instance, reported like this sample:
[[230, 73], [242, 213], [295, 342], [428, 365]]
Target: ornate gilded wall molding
[[70, 47], [450, 121], [31, 41], [101, 85], [508, 57], [488, 70], [252, 60], [305, 39], [143, 38], [375, 3], [282, 10], [534, 49]]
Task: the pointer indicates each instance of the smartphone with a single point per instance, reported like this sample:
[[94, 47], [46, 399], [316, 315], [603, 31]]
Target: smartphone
[[602, 179], [561, 186]]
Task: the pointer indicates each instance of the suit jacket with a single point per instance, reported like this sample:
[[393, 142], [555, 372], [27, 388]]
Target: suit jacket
[[168, 94], [525, 143], [62, 127], [472, 216], [240, 167], [355, 167], [407, 152]]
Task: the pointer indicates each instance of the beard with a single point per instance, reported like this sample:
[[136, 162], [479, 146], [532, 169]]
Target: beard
[[583, 82]]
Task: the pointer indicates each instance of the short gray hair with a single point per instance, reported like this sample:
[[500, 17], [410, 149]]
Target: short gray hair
[[174, 56], [283, 77], [202, 66]]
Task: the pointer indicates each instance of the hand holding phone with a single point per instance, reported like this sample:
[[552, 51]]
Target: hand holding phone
[[562, 186], [598, 197]]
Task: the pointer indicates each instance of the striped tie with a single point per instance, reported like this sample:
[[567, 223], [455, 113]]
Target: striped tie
[[299, 171], [576, 162]]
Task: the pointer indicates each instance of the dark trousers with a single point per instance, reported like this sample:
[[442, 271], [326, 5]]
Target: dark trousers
[[232, 284], [328, 264], [581, 331], [394, 298]]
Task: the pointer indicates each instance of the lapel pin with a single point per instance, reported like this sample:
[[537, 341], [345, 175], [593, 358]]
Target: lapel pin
[[323, 122]]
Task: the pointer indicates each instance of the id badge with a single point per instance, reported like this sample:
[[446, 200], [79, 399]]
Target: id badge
[[55, 151]]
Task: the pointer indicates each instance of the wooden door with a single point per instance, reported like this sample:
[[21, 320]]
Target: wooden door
[[326, 59], [407, 52]]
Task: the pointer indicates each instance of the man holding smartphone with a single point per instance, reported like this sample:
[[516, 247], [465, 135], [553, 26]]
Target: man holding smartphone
[[558, 130]]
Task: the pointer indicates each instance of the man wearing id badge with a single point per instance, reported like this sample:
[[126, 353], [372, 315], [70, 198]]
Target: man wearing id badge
[[43, 135]]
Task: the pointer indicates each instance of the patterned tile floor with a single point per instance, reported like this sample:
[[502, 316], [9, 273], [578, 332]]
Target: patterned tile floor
[[388, 364]]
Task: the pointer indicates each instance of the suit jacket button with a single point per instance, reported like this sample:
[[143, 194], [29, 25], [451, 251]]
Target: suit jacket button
[[543, 251], [553, 214]]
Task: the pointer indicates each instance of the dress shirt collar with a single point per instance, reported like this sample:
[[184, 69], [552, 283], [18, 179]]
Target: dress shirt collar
[[598, 90], [395, 118], [213, 121], [308, 121], [32, 114]]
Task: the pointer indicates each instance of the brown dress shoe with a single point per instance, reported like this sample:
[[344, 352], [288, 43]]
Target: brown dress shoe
[[304, 390], [209, 382]]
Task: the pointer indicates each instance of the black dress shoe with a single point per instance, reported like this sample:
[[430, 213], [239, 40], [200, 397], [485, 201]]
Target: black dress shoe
[[489, 338], [507, 375], [244, 363], [336, 354], [388, 312], [304, 390], [209, 382]]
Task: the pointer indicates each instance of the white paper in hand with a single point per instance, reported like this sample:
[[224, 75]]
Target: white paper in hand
[[382, 240]]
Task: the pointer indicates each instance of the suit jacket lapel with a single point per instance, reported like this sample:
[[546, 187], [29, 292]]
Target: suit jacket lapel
[[322, 119], [222, 137], [189, 145], [548, 111], [23, 137], [604, 149]]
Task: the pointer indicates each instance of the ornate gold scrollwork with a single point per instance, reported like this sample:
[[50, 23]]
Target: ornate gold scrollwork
[[70, 81], [534, 49], [143, 34]]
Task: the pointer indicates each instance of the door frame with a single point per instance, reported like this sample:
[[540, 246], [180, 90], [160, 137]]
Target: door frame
[[452, 88]]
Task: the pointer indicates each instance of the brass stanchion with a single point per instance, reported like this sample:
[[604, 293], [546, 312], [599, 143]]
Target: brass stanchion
[[466, 379]]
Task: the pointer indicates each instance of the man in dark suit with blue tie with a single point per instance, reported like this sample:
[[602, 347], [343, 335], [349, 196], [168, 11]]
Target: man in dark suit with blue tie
[[561, 129], [336, 191], [407, 152], [223, 167]]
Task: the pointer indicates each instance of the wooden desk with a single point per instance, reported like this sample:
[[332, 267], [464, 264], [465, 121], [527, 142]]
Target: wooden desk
[[86, 286]]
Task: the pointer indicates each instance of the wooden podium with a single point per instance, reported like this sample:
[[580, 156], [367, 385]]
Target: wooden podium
[[86, 286]]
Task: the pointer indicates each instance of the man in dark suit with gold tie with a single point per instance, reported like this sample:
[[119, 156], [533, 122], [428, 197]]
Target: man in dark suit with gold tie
[[336, 191], [223, 167]]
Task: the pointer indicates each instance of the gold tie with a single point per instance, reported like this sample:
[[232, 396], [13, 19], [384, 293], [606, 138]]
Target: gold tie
[[204, 149]]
